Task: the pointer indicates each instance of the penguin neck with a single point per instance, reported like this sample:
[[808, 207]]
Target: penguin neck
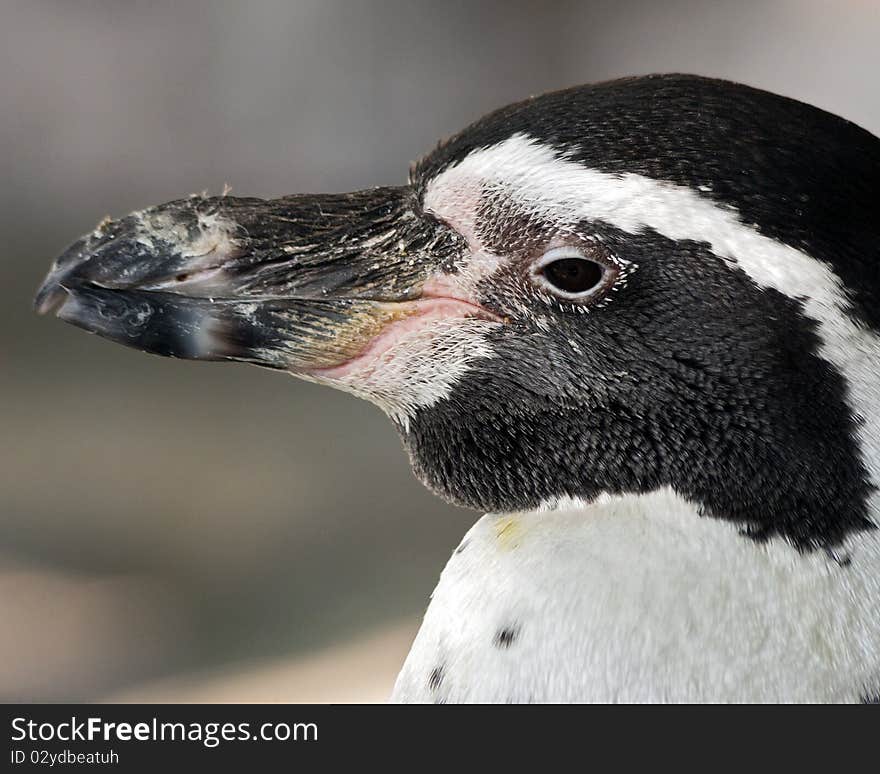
[[641, 598], [808, 494]]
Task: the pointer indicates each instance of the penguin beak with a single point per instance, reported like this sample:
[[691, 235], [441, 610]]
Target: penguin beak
[[302, 283]]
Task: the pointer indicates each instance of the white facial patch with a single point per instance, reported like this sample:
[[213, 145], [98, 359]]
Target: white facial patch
[[418, 370], [456, 201], [543, 183]]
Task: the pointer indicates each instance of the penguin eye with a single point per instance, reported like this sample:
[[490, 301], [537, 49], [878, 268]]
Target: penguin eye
[[567, 273]]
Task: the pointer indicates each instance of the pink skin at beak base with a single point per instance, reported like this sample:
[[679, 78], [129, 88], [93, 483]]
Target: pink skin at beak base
[[419, 315]]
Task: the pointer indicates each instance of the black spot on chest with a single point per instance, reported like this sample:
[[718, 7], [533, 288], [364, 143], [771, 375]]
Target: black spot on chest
[[435, 679], [505, 637]]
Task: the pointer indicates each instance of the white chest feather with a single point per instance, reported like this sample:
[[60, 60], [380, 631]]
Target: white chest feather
[[639, 598]]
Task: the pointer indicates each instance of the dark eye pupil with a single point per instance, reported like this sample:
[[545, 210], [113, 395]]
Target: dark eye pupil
[[573, 275]]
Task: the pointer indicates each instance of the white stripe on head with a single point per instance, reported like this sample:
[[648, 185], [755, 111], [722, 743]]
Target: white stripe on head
[[547, 184]]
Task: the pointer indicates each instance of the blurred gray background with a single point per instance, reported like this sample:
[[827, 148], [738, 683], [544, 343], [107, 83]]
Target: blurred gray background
[[171, 530]]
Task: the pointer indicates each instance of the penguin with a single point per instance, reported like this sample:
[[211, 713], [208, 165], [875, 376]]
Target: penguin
[[636, 324]]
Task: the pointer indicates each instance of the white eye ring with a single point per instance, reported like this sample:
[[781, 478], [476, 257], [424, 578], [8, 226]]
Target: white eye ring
[[579, 277]]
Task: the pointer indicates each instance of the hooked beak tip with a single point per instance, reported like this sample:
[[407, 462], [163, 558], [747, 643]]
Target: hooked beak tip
[[51, 296]]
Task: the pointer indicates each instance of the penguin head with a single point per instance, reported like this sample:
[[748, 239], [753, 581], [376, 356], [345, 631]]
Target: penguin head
[[665, 281]]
